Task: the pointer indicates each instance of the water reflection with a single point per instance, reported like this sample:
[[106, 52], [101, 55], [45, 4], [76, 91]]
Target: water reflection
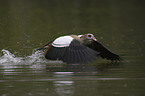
[[88, 69], [64, 88]]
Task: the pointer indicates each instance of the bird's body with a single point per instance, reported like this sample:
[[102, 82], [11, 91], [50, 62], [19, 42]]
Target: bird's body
[[78, 49]]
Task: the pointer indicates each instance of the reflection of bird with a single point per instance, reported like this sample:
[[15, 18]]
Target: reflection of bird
[[78, 49]]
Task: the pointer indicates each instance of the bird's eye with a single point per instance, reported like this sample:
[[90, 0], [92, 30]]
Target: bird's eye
[[89, 36]]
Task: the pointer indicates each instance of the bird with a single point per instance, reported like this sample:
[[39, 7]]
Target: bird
[[78, 49]]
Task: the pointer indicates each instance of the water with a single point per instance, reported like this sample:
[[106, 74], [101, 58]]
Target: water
[[27, 25], [33, 75]]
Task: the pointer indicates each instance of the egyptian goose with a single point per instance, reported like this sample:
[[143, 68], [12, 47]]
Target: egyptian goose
[[77, 49]]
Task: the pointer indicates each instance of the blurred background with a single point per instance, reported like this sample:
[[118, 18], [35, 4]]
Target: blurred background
[[26, 24], [29, 24]]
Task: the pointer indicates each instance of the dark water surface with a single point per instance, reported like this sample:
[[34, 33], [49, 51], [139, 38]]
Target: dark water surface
[[28, 24]]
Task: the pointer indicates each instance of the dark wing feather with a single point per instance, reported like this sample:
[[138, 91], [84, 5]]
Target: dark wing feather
[[104, 52], [53, 53], [76, 53]]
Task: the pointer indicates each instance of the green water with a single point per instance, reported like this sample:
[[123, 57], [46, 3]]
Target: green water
[[29, 24]]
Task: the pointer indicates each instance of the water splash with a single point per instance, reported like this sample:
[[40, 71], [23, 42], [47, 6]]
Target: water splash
[[8, 57], [37, 57]]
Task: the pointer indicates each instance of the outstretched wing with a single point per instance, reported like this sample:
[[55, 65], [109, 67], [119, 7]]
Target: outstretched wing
[[104, 52], [75, 53]]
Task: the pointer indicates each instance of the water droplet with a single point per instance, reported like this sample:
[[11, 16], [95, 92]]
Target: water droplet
[[142, 54], [131, 30], [107, 44], [101, 37], [140, 49], [123, 36], [132, 42]]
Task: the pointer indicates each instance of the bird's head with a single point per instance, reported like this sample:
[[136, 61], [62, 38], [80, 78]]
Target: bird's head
[[87, 38]]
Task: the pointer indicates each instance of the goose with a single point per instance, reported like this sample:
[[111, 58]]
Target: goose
[[77, 49]]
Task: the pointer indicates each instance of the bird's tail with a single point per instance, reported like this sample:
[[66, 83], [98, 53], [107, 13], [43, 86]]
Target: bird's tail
[[44, 47]]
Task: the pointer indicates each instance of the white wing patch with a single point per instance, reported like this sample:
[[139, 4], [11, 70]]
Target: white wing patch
[[63, 41]]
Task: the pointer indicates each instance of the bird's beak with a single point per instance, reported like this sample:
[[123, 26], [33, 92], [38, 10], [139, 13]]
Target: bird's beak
[[94, 39]]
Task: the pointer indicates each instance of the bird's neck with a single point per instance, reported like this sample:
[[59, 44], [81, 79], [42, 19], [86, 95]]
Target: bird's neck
[[77, 38]]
